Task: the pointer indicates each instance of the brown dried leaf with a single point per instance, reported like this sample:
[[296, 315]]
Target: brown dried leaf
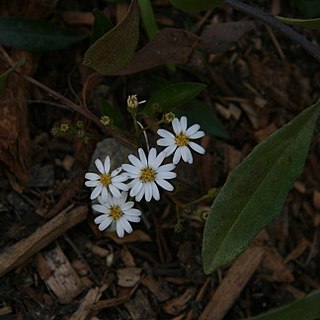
[[168, 46], [220, 37]]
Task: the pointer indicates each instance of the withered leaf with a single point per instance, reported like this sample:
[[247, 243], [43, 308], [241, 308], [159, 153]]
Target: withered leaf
[[168, 46], [113, 51], [220, 37]]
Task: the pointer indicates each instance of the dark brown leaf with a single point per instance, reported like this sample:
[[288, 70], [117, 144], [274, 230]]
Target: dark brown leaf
[[168, 46]]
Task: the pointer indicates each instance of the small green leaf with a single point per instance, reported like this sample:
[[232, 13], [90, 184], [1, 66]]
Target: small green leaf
[[197, 112], [148, 19], [113, 51], [255, 191], [172, 96], [111, 111], [36, 35], [4, 76], [192, 5], [306, 308], [101, 24], [307, 23]]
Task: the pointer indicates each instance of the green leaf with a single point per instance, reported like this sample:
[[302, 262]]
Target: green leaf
[[307, 23], [197, 112], [192, 5], [113, 51], [148, 19], [255, 191], [309, 8], [35, 35], [172, 96], [4, 76], [111, 111], [101, 24], [306, 308]]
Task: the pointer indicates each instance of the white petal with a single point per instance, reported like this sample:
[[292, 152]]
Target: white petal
[[136, 188], [130, 169], [147, 191], [192, 130], [196, 147], [96, 192], [119, 229], [125, 224], [155, 191], [152, 156], [104, 194], [164, 142], [92, 176], [99, 208], [99, 165], [135, 161], [133, 212], [197, 135], [99, 219], [186, 154], [115, 192], [140, 194], [158, 160], [121, 186], [143, 158], [133, 218], [183, 123], [91, 183], [107, 164], [166, 167], [126, 206], [116, 172], [177, 156], [169, 150], [103, 199], [165, 134], [105, 224], [176, 126], [166, 175], [120, 178], [165, 184]]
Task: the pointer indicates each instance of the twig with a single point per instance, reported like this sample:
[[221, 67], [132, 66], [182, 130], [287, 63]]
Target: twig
[[275, 23]]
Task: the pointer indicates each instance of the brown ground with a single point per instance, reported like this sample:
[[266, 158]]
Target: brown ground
[[55, 264]]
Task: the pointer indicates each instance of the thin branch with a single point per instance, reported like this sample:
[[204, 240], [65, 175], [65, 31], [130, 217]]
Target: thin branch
[[275, 23]]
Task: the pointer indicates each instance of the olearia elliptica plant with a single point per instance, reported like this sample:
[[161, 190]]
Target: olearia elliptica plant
[[143, 176]]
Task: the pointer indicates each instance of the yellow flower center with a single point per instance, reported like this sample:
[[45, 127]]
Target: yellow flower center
[[181, 140], [116, 212], [147, 174], [105, 179]]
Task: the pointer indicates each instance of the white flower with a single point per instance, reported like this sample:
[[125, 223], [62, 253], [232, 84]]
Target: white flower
[[147, 174], [181, 140], [117, 211], [105, 181]]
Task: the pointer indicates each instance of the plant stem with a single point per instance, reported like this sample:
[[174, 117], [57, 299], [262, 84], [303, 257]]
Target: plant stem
[[275, 23]]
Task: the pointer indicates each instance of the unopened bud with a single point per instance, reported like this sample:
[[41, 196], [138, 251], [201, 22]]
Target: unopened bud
[[55, 132], [105, 120], [168, 117], [132, 102], [64, 127], [80, 124]]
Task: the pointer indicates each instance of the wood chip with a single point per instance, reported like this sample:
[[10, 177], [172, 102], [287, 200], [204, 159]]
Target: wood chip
[[21, 251], [135, 236], [262, 134], [153, 285], [316, 199], [299, 186], [175, 306], [128, 277], [274, 262], [63, 280], [139, 307], [298, 250], [231, 286]]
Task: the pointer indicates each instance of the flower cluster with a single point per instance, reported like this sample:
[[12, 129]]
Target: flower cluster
[[141, 178]]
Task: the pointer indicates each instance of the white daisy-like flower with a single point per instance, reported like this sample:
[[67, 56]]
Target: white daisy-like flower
[[106, 182], [180, 142], [147, 174], [116, 211]]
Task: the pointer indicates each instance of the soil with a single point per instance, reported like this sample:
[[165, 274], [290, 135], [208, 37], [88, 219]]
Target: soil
[[56, 264]]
